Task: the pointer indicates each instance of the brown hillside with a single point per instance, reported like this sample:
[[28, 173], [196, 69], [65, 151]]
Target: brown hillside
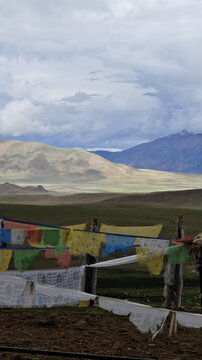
[[178, 198], [183, 197]]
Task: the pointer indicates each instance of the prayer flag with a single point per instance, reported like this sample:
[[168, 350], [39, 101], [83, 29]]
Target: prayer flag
[[81, 242], [76, 227], [65, 235], [24, 258], [5, 257], [18, 237], [178, 254], [50, 238], [5, 237], [151, 253], [8, 224], [34, 236], [116, 243], [64, 259], [149, 231]]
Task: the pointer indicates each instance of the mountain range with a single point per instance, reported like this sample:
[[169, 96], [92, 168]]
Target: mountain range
[[8, 188], [75, 170], [180, 152], [33, 161]]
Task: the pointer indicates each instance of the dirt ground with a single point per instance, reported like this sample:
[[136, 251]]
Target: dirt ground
[[91, 330]]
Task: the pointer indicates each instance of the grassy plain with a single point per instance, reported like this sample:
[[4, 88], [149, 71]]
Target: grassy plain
[[131, 282], [109, 212]]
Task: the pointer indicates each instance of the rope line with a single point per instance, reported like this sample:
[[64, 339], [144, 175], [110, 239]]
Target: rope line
[[67, 354]]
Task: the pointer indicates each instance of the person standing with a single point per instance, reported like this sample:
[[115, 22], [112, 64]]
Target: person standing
[[94, 226], [180, 228]]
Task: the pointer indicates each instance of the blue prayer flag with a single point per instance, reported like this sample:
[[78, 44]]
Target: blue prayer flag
[[5, 237], [115, 243]]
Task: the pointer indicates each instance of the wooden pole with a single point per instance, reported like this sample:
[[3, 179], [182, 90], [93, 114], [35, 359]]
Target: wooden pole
[[90, 275], [175, 324], [171, 324]]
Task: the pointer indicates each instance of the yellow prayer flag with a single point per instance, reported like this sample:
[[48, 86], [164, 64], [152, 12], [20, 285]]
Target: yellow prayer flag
[[153, 261], [65, 235], [147, 231], [76, 227], [81, 242], [5, 257]]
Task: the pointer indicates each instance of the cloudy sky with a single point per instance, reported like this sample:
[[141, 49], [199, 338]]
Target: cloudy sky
[[99, 73]]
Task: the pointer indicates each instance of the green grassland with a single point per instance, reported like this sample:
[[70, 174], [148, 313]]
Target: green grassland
[[126, 214], [132, 282]]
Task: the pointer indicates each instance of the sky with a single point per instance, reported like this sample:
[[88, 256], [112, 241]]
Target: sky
[[99, 74]]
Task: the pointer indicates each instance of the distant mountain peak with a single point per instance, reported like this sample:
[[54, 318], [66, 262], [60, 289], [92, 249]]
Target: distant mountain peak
[[179, 152], [8, 188]]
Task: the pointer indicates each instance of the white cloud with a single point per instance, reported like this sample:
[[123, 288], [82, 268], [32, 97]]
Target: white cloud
[[19, 117], [104, 149], [87, 72]]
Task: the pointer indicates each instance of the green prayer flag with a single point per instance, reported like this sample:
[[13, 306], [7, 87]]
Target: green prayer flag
[[178, 254], [50, 238], [24, 258]]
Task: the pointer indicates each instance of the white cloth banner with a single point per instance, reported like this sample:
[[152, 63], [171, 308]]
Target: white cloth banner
[[49, 296], [189, 319], [147, 318], [17, 292], [70, 278], [11, 291], [119, 307], [115, 262]]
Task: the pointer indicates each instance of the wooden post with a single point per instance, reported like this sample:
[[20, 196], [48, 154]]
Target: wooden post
[[91, 275], [173, 324], [174, 276]]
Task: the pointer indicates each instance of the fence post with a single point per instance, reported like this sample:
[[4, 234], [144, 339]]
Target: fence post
[[90, 274]]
